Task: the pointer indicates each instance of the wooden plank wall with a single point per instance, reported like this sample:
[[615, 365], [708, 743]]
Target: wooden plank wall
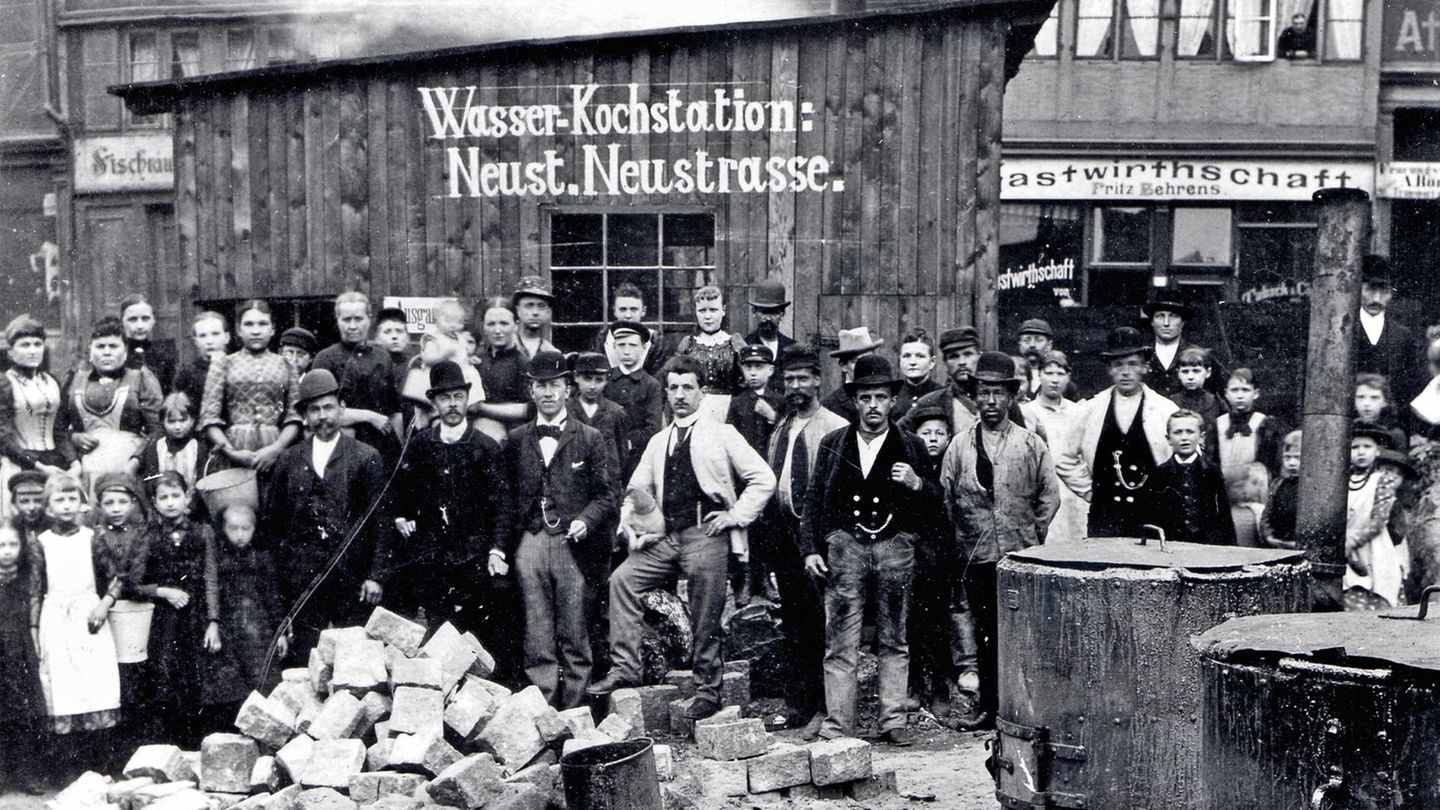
[[316, 188]]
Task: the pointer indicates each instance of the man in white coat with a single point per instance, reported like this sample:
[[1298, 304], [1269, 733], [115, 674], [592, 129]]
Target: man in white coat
[[1118, 440], [710, 485]]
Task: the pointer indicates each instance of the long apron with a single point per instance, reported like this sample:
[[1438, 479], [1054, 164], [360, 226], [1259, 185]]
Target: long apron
[[78, 672], [1380, 556], [115, 446]]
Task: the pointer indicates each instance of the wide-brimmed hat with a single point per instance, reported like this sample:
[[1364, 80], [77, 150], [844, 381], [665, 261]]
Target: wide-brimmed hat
[[316, 383], [855, 342], [1400, 460], [619, 328], [533, 286], [1382, 435], [446, 375], [547, 365], [1123, 342], [873, 370], [959, 337], [1375, 271], [769, 294], [799, 355], [23, 477], [1166, 299], [590, 363], [996, 367], [300, 338], [1036, 326]]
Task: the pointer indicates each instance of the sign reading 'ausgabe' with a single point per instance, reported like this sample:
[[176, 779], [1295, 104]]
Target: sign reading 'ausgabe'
[[592, 112]]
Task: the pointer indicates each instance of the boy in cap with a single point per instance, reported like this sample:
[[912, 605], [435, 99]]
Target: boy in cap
[[27, 497], [755, 409], [297, 346], [534, 309], [635, 390], [565, 497]]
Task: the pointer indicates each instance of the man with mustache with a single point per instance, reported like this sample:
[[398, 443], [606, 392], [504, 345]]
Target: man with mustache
[[452, 505], [1035, 339], [865, 515], [793, 449], [1383, 346], [322, 490], [768, 302]]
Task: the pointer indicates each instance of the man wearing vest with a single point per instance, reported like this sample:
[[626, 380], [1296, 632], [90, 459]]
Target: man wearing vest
[[793, 449], [865, 513], [710, 485], [565, 494]]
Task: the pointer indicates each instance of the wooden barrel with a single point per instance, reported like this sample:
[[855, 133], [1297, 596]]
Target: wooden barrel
[[1322, 710], [1099, 687]]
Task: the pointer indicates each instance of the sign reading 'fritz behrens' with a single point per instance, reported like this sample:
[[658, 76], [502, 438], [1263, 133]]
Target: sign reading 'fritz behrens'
[[602, 119], [1177, 179], [124, 163]]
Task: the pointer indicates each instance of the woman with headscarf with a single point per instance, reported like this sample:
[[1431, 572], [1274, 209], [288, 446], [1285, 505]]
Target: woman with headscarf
[[248, 410], [110, 409], [32, 435]]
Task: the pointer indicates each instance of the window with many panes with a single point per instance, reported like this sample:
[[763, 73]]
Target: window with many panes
[[1265, 30], [1117, 29], [142, 58], [240, 52], [668, 254]]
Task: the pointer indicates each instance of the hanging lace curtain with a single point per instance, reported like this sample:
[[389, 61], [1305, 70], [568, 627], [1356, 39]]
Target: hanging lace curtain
[[1345, 26], [1144, 18], [241, 45], [1250, 29], [184, 54], [1092, 26], [144, 58], [1195, 18]]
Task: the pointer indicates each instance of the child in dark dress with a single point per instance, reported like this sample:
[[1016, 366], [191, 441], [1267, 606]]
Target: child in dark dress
[[250, 613], [122, 533], [21, 729], [179, 574]]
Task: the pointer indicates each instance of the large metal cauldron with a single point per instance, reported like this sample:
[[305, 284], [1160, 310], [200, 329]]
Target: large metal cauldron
[[1322, 710], [1099, 696]]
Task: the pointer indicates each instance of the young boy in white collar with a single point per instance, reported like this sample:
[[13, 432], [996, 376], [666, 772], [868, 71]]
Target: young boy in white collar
[[1190, 501]]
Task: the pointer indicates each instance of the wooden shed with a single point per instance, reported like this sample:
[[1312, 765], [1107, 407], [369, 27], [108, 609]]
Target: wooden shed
[[856, 157]]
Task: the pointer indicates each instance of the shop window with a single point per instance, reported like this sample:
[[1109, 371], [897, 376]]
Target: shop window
[[1121, 235], [1201, 237], [1125, 29], [240, 49], [667, 255], [1040, 251], [1047, 39], [1275, 249]]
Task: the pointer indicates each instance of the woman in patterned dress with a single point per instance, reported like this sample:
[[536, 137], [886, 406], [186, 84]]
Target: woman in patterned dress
[[32, 436], [717, 351], [248, 411]]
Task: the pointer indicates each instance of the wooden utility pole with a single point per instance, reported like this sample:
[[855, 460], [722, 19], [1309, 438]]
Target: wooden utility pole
[[1341, 243]]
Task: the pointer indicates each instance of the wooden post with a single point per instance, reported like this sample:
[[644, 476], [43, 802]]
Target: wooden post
[[1341, 242]]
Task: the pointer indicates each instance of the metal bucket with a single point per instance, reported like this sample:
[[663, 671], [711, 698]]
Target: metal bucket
[[1099, 697], [1322, 710], [130, 626], [229, 487], [613, 776]]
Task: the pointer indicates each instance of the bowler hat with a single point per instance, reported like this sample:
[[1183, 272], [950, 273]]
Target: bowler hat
[[756, 353], [23, 477], [856, 341], [1375, 270], [547, 365], [300, 338], [769, 294], [446, 375], [590, 363], [1166, 299], [622, 328], [1036, 326], [873, 370], [996, 367], [799, 355], [1123, 342], [533, 286], [959, 337], [316, 383]]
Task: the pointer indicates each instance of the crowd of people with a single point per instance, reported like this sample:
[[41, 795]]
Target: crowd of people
[[486, 479]]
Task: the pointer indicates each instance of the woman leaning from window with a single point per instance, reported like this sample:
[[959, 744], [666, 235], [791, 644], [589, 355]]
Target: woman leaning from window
[[248, 410], [32, 435]]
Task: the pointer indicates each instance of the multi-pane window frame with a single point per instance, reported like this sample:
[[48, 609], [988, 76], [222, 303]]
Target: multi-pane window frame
[[1113, 48], [657, 317], [1048, 42], [1223, 15], [136, 69]]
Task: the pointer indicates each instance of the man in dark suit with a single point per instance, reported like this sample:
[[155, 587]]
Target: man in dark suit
[[324, 498], [865, 513], [755, 410], [635, 390], [1383, 346], [1167, 315], [768, 302], [451, 501], [565, 492]]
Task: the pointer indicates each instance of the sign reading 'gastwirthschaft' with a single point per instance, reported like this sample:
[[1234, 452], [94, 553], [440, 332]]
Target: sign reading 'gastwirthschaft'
[[1027, 178], [606, 168]]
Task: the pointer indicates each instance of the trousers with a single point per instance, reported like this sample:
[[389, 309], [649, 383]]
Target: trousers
[[557, 608], [802, 611]]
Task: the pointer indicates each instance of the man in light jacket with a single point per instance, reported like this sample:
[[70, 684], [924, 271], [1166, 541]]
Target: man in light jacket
[[710, 485]]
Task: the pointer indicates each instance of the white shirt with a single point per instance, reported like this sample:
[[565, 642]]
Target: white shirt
[[450, 435], [589, 408], [796, 426], [774, 347], [676, 427], [869, 450], [1125, 409], [1187, 461], [547, 444], [1373, 325], [1165, 352], [320, 453]]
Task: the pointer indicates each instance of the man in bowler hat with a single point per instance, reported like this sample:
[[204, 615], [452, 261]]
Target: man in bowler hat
[[865, 515], [324, 498], [768, 303], [1382, 344], [565, 493]]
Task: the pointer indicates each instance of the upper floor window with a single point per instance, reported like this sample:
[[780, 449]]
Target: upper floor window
[[184, 54], [142, 58], [1047, 39], [1265, 30], [1123, 29], [240, 49]]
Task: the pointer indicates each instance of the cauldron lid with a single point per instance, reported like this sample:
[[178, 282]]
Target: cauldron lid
[[1346, 639], [1126, 552]]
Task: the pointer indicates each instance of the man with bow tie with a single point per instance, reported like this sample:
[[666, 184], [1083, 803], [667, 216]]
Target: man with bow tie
[[564, 493], [711, 485]]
